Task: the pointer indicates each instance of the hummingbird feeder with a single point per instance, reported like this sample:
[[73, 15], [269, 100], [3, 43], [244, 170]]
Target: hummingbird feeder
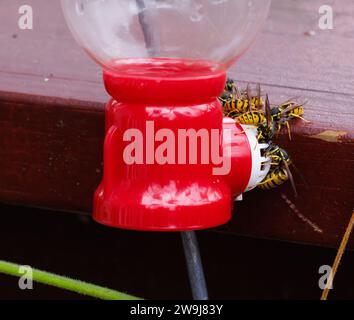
[[171, 162]]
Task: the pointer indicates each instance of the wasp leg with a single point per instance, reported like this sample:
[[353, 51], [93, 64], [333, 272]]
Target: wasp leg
[[299, 117], [278, 130], [258, 137], [289, 130]]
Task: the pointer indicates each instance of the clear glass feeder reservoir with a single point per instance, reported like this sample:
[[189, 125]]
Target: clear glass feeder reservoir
[[173, 38]]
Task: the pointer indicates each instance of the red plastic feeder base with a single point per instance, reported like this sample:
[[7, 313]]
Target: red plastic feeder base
[[159, 175]]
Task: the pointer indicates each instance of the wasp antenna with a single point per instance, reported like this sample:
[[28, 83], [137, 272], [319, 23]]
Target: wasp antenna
[[295, 98], [305, 102], [289, 130]]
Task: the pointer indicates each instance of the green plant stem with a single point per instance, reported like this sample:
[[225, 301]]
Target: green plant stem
[[66, 283]]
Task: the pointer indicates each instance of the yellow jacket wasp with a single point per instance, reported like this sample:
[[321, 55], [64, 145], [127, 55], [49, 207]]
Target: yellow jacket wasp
[[280, 169], [236, 102], [247, 109]]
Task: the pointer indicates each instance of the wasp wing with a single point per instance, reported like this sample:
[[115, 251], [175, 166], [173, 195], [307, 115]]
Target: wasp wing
[[290, 175]]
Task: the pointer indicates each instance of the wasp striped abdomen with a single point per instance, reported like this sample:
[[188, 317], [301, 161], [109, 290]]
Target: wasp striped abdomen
[[274, 179], [251, 118], [235, 106]]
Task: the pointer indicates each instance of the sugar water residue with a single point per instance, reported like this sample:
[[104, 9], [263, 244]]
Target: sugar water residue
[[164, 68]]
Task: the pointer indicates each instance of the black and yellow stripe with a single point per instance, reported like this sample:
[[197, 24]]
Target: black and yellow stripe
[[277, 156], [274, 179], [235, 106], [296, 112], [251, 118]]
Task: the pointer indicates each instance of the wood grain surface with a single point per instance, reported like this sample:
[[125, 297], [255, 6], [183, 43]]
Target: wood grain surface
[[52, 121]]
